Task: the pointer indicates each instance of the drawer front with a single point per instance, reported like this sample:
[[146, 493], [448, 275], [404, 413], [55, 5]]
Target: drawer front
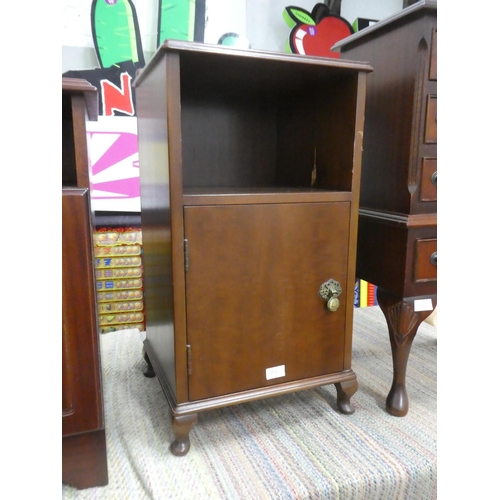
[[431, 120], [425, 265], [433, 73], [428, 180]]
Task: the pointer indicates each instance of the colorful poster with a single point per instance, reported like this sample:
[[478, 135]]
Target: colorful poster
[[115, 164], [113, 138]]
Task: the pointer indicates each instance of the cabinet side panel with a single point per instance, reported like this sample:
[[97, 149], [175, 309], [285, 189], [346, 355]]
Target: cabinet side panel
[[316, 126], [82, 162], [175, 158], [336, 129], [390, 113], [156, 216], [68, 144], [381, 254], [81, 391], [357, 154]]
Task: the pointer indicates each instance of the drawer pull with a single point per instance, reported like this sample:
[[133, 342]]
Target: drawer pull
[[434, 258], [434, 178], [329, 291]]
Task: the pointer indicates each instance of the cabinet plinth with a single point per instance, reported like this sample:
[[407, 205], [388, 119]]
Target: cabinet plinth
[[397, 244], [250, 166]]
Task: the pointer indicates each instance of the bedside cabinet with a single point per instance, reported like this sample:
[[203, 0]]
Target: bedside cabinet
[[250, 165], [397, 243], [84, 459]]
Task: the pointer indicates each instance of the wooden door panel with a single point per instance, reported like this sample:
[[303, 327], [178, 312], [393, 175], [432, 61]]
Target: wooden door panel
[[81, 395], [252, 294]]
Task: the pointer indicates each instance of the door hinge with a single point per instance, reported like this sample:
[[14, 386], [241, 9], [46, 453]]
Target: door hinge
[[189, 366], [186, 255]]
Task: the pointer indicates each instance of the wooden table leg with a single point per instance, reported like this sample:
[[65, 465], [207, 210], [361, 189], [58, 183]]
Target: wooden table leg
[[403, 322], [149, 372], [345, 390], [181, 426]]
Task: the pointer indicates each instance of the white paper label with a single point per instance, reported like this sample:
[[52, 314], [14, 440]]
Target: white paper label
[[275, 372], [423, 305]]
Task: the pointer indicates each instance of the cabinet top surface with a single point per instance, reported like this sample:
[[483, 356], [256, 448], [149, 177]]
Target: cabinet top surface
[[196, 49], [406, 15], [85, 88]]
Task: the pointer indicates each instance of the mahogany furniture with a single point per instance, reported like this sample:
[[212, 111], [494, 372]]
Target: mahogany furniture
[[250, 165], [397, 238], [84, 462]]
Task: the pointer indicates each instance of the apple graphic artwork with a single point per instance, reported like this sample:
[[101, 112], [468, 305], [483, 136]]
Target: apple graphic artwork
[[315, 35]]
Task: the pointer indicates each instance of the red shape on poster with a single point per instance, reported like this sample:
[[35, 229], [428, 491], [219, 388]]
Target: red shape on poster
[[315, 33], [117, 99]]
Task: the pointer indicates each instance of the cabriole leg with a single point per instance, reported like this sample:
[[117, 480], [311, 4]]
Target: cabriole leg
[[345, 390], [403, 322], [181, 426]]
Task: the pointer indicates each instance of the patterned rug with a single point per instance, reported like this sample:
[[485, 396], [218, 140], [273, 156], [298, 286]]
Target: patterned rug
[[296, 446]]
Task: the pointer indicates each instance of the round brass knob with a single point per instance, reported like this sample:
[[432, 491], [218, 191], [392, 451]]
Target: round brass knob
[[333, 304]]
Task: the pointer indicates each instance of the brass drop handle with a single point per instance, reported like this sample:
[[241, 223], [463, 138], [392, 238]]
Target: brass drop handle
[[329, 291]]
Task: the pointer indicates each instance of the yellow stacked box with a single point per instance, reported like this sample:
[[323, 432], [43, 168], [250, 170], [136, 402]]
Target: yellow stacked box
[[119, 283]]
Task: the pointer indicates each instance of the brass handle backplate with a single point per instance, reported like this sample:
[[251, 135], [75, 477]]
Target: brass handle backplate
[[329, 291]]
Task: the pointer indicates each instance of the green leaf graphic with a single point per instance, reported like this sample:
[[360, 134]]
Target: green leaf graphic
[[176, 20], [296, 15], [115, 30]]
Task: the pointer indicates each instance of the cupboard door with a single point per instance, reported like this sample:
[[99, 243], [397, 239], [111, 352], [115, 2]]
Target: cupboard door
[[254, 315], [81, 393]]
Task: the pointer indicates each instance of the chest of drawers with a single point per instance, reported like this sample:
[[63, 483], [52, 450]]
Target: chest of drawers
[[397, 239]]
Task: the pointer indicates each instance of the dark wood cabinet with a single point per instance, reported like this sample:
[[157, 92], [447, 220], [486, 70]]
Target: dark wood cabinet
[[250, 167], [84, 462], [397, 245]]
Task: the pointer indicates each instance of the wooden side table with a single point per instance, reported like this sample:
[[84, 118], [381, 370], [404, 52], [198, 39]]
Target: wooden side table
[[250, 165]]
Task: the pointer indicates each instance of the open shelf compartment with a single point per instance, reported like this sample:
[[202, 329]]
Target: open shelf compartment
[[251, 125]]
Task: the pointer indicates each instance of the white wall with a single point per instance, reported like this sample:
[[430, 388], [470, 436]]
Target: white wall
[[77, 32], [266, 28], [369, 9]]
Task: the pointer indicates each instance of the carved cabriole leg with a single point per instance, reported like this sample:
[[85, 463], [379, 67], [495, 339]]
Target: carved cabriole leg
[[403, 323], [181, 426], [149, 372], [345, 390]]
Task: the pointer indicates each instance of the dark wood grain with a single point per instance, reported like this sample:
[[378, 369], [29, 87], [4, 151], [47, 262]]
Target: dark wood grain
[[81, 375], [252, 293], [79, 104], [398, 201], [250, 171], [403, 320], [84, 459]]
